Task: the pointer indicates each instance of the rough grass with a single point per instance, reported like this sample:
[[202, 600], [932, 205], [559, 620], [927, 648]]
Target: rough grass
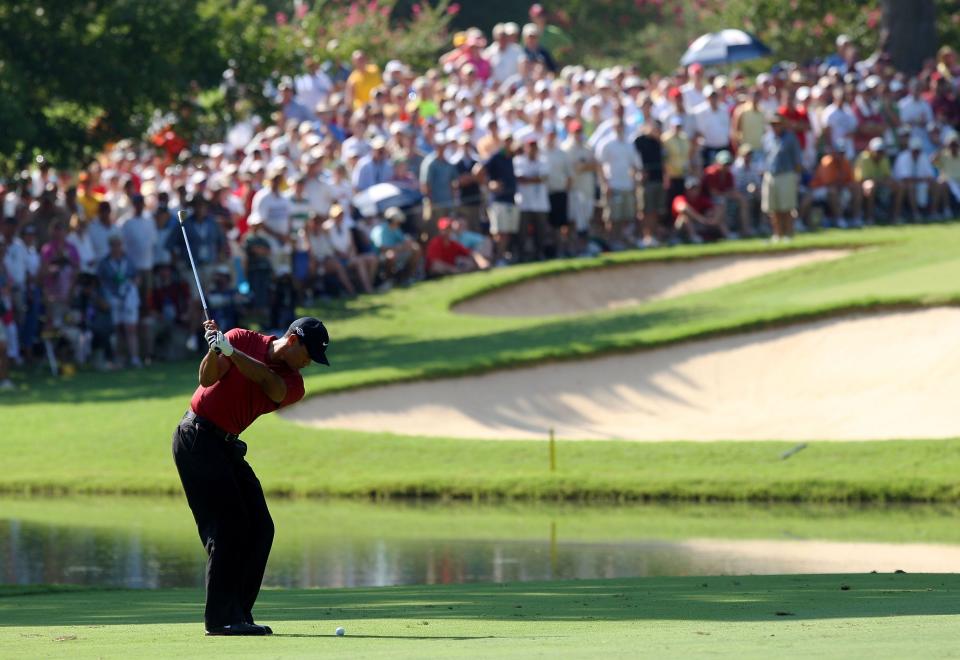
[[110, 433], [876, 616]]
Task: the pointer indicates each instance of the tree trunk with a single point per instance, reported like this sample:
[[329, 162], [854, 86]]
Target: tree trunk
[[909, 33]]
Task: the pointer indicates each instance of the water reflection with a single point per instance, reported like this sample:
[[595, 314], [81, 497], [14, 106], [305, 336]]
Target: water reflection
[[152, 556]]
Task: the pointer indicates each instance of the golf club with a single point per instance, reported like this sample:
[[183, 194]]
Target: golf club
[[182, 216]]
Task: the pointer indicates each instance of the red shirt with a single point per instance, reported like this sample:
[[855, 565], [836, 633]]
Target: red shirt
[[717, 180], [700, 203], [234, 402], [445, 250]]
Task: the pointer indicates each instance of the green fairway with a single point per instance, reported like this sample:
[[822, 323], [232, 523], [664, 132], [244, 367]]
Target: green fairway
[[877, 616], [110, 432]]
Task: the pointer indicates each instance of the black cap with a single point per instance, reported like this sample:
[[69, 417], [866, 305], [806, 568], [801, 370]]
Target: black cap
[[314, 337]]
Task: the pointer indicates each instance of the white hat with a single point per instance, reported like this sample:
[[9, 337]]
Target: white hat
[[377, 142], [876, 144], [511, 28], [803, 93], [896, 86], [843, 39], [709, 91], [531, 29], [872, 81]]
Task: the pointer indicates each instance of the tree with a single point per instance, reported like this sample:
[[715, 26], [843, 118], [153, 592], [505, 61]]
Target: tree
[[909, 32]]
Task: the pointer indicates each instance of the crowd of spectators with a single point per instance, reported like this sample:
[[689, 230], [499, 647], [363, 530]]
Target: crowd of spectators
[[364, 179]]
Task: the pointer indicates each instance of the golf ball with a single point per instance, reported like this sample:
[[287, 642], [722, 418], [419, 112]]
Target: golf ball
[[341, 632]]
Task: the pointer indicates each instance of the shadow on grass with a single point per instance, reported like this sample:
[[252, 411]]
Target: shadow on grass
[[749, 598]]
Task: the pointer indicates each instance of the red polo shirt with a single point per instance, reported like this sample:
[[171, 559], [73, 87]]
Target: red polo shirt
[[445, 250], [234, 402]]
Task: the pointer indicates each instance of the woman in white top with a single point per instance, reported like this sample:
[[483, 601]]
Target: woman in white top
[[323, 258], [341, 238]]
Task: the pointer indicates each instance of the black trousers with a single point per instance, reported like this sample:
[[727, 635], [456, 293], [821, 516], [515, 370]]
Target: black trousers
[[232, 518]]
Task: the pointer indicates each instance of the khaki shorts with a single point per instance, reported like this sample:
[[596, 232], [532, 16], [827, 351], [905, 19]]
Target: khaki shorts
[[504, 218], [652, 198], [621, 207], [779, 192]]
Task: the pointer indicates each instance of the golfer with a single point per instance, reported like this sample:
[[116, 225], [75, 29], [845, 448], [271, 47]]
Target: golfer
[[244, 375]]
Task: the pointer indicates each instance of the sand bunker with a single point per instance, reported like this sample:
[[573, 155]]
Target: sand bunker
[[889, 375], [622, 286]]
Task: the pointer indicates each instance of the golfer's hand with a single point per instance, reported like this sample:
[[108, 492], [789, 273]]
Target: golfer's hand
[[218, 343]]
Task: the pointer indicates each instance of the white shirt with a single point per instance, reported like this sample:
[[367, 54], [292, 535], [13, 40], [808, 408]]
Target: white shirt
[[692, 97], [841, 121], [908, 167], [311, 88], [16, 261], [559, 169], [274, 209], [504, 62], [713, 125], [618, 161], [84, 247], [319, 195], [100, 238], [916, 113], [580, 154], [531, 196], [139, 237], [340, 237]]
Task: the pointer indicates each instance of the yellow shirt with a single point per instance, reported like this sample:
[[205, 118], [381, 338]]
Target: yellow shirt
[[867, 168], [677, 162], [948, 164], [364, 82], [752, 126], [89, 203]]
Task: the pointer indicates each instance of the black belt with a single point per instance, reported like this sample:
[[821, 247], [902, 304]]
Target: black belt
[[210, 427]]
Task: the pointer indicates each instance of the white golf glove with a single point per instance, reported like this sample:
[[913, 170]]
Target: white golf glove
[[218, 342]]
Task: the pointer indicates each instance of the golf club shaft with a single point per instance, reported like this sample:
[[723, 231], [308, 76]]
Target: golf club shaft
[[181, 216]]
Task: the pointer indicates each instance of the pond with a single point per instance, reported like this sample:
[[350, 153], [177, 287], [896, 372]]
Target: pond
[[151, 542]]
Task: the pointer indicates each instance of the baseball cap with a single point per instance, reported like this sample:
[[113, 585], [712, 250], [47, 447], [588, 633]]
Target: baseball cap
[[876, 144], [723, 157], [313, 335], [394, 213]]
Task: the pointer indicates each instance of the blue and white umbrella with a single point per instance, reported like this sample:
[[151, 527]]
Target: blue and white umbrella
[[724, 47]]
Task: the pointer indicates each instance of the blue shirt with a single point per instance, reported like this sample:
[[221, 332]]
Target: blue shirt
[[439, 175], [783, 153], [369, 172], [384, 237]]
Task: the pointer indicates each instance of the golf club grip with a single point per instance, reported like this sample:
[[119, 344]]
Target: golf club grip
[[181, 216]]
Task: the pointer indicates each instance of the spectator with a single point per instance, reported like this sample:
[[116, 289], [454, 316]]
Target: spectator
[[169, 306], [496, 171], [364, 78], [504, 53], [6, 321], [719, 184], [749, 123], [438, 182], [139, 234], [552, 37], [400, 255], [79, 238], [93, 323], [618, 166], [839, 121], [259, 267], [873, 174], [651, 193], [781, 177], [696, 215], [59, 266], [290, 108], [914, 171], [373, 168], [560, 175], [915, 112], [833, 182], [324, 262], [471, 196], [534, 50], [447, 257], [533, 199], [118, 277], [273, 207], [748, 177], [47, 212], [100, 231], [584, 185], [364, 266], [713, 126], [948, 165], [478, 244]]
